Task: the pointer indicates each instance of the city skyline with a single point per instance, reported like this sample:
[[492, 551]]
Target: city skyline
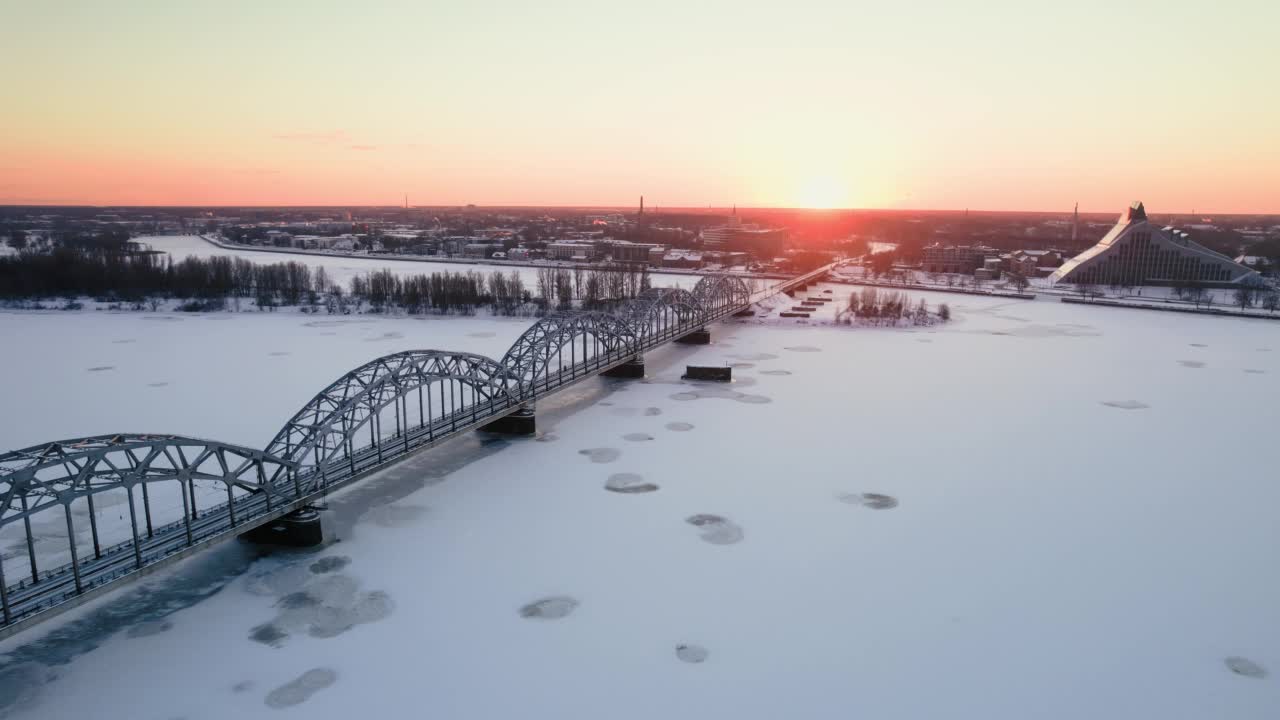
[[819, 105]]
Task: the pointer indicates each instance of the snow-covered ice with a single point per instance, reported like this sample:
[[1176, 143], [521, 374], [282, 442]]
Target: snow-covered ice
[[1039, 513]]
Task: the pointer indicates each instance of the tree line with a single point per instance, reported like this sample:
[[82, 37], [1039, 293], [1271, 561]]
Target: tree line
[[141, 278], [870, 306]]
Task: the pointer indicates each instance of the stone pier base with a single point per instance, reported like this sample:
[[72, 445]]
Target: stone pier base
[[697, 337], [520, 422], [300, 528], [631, 369]]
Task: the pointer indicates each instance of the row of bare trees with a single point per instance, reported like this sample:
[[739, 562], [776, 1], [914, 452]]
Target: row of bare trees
[[870, 306], [592, 287]]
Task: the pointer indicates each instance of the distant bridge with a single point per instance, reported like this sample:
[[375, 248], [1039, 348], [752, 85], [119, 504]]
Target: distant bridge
[[373, 416]]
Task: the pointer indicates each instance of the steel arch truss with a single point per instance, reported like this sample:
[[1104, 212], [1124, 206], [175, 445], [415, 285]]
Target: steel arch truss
[[716, 294], [660, 312], [585, 339], [448, 385], [58, 473]]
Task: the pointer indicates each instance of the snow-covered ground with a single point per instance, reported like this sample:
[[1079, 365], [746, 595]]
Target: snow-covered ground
[[342, 268], [1036, 510]]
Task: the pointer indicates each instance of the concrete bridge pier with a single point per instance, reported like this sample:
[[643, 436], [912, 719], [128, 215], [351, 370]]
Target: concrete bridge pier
[[697, 337], [300, 528], [521, 422], [631, 369]]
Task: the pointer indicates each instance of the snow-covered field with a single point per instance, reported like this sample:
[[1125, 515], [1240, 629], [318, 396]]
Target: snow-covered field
[[1036, 510], [342, 269]]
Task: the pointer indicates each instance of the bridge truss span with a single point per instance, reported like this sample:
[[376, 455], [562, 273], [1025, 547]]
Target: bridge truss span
[[427, 392], [181, 494]]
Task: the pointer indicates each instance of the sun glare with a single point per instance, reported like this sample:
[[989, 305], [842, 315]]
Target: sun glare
[[823, 193]]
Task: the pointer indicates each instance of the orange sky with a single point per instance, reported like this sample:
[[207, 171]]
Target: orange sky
[[1004, 105]]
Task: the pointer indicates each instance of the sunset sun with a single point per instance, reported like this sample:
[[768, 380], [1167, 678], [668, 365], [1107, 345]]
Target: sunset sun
[[822, 193]]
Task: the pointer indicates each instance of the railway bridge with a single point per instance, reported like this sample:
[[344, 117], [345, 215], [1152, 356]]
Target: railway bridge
[[186, 494]]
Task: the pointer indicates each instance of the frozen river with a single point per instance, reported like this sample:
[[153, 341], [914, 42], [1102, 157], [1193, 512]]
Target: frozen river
[[1037, 510]]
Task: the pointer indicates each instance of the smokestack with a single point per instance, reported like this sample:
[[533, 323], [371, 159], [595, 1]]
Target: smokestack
[[642, 206]]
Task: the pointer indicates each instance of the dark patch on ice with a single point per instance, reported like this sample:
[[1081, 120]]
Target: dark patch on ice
[[322, 606], [550, 608], [803, 348], [547, 437], [742, 365], [714, 391], [124, 341], [268, 634], [329, 333], [1254, 371], [1191, 363], [628, 483], [715, 529], [776, 373], [1125, 404], [242, 686], [336, 323], [875, 501], [482, 334], [298, 600], [20, 685], [601, 455], [1045, 331], [157, 384], [330, 564], [637, 437], [493, 441], [393, 516], [692, 653], [1200, 345], [192, 582], [279, 353], [101, 368], [1264, 349], [605, 403], [148, 628], [652, 411], [755, 356], [679, 426], [301, 688], [385, 336], [1245, 667], [163, 318]]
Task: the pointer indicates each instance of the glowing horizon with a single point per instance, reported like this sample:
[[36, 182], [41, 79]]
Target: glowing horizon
[[820, 104]]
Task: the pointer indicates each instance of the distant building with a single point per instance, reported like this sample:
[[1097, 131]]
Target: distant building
[[682, 259], [1033, 263], [960, 259], [1135, 252], [518, 253], [630, 252], [735, 235], [570, 251]]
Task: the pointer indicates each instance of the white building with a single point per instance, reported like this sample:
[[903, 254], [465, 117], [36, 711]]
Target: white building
[[1136, 252]]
